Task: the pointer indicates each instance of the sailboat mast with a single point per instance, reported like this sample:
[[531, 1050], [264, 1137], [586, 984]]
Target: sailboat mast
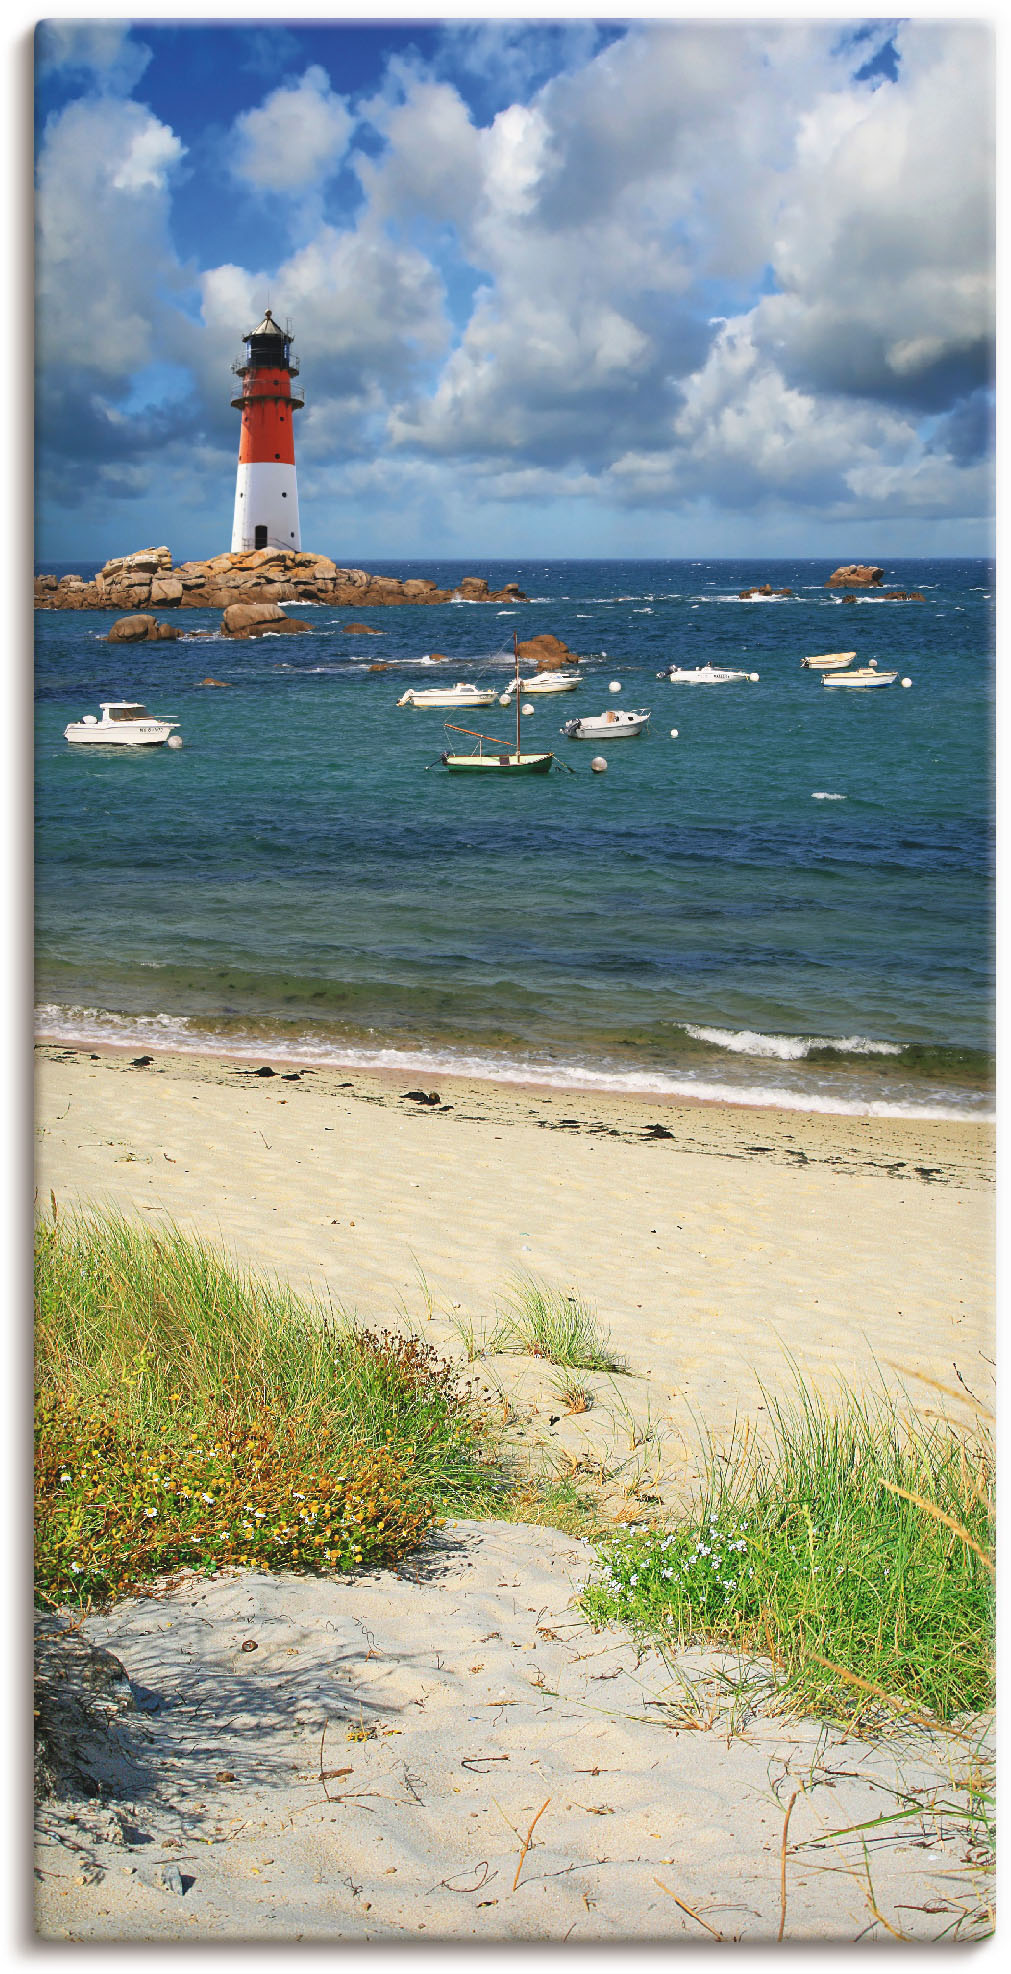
[[516, 655]]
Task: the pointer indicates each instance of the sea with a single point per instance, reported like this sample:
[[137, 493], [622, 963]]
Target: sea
[[779, 895]]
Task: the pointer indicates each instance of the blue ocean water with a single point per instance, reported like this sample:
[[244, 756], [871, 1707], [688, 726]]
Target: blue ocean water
[[791, 902]]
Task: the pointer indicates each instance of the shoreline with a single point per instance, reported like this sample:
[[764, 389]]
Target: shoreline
[[572, 1080], [724, 1250]]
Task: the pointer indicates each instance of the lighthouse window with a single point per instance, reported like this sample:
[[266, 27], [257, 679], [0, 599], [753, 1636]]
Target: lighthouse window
[[284, 496], [260, 540]]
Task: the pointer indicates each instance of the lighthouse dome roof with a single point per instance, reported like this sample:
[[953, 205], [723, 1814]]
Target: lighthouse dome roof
[[268, 327]]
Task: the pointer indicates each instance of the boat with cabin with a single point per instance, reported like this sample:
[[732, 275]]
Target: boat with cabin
[[705, 675], [461, 694], [124, 723]]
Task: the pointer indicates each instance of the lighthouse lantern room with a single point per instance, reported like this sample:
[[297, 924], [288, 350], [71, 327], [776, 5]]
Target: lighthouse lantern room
[[266, 493]]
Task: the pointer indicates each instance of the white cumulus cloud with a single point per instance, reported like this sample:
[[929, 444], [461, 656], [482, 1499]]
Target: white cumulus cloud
[[297, 137]]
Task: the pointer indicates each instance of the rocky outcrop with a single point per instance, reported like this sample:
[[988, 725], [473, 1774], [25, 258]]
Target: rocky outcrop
[[264, 575], [361, 630], [141, 629], [548, 653], [258, 620], [764, 589], [855, 575], [902, 596]]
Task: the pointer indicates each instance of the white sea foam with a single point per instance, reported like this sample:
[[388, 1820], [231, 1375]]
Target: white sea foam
[[823, 795], [93, 1026], [788, 1048]]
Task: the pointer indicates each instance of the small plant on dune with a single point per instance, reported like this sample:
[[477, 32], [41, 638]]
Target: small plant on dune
[[189, 1415], [545, 1322], [855, 1551]]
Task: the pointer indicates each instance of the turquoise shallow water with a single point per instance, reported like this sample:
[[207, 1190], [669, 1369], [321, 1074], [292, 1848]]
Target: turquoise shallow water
[[791, 901]]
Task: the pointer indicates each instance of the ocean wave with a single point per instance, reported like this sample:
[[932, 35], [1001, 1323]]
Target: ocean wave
[[82, 1026], [788, 1048], [823, 795]]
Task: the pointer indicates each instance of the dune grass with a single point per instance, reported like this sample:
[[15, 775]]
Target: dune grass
[[544, 1322], [190, 1414], [855, 1549]]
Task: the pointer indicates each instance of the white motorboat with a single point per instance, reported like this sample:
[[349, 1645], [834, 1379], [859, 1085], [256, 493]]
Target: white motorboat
[[612, 725], [705, 675], [862, 675], [124, 723], [829, 661], [460, 694], [544, 682]]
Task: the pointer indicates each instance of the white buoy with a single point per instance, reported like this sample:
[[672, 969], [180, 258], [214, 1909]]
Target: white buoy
[[615, 685], [503, 699], [527, 708], [673, 733], [598, 764], [905, 681], [753, 676], [174, 740]]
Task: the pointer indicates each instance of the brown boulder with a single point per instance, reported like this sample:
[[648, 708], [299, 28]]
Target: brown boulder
[[548, 653], [361, 630], [764, 589], [224, 682], [855, 575], [256, 619], [139, 630]]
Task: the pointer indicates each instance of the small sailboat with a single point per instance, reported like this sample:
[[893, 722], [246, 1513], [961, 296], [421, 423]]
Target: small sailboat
[[705, 675], [829, 661], [492, 756]]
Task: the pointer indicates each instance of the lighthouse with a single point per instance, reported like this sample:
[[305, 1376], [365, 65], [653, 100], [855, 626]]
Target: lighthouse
[[266, 492]]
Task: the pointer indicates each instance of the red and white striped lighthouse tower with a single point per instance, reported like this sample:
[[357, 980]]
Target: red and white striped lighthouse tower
[[266, 493]]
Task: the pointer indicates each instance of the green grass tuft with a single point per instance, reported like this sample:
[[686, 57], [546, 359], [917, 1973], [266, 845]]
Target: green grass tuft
[[871, 1603], [545, 1322]]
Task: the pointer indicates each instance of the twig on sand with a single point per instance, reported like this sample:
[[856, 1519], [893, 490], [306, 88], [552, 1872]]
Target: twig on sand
[[526, 1841], [782, 1865], [692, 1914], [329, 1774]]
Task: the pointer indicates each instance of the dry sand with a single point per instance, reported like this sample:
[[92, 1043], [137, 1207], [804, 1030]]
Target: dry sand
[[372, 1769], [718, 1246]]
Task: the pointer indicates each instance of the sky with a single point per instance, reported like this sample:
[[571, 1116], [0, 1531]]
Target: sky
[[558, 287]]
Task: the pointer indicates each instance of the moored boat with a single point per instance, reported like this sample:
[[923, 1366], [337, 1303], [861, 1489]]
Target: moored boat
[[612, 725], [124, 723], [492, 756], [545, 682], [705, 675], [829, 661], [461, 694], [862, 675]]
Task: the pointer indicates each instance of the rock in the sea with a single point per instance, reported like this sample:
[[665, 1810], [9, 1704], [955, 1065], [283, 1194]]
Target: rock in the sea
[[224, 682], [763, 589], [362, 630], [548, 653], [264, 575], [855, 575], [256, 619], [141, 629]]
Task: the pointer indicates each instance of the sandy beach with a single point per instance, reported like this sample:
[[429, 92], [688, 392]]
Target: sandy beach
[[717, 1244], [386, 1747]]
